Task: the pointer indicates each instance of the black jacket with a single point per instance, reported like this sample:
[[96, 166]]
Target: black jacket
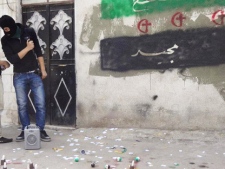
[[12, 46]]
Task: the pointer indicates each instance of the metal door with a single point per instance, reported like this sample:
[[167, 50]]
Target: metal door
[[54, 25]]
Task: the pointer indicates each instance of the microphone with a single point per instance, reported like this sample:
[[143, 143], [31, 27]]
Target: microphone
[[28, 38]]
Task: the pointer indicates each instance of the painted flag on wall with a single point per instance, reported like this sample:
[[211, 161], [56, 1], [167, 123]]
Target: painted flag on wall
[[119, 8]]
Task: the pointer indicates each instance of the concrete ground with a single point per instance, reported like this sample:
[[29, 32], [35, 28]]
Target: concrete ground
[[156, 148]]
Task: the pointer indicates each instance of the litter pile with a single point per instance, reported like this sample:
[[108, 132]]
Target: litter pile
[[5, 162]]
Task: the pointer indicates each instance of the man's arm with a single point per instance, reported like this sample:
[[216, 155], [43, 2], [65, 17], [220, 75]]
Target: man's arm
[[42, 67], [12, 57], [29, 47]]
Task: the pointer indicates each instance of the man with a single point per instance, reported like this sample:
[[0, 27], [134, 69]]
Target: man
[[22, 49], [4, 65]]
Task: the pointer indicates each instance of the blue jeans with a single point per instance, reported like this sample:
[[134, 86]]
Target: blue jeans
[[23, 83]]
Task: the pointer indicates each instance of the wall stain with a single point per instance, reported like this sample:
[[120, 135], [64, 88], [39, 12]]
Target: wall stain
[[154, 97], [143, 110]]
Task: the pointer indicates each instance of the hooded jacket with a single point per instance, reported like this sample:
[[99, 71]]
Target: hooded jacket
[[12, 46], [8, 21]]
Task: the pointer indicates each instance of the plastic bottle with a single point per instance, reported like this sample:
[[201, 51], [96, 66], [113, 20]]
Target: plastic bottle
[[4, 167], [30, 165], [107, 166], [118, 159], [3, 160], [132, 165]]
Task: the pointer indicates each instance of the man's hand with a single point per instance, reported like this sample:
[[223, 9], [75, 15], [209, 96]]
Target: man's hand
[[43, 74], [29, 47], [42, 67], [30, 44]]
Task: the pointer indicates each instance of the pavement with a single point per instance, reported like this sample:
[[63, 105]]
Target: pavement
[[84, 148]]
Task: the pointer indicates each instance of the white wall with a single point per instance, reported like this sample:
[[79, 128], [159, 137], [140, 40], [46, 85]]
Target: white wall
[[125, 99], [9, 115]]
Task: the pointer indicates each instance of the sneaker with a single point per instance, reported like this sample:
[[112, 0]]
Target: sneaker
[[5, 140], [20, 137], [44, 136]]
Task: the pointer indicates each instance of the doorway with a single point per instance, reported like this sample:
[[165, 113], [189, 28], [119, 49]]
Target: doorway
[[54, 25]]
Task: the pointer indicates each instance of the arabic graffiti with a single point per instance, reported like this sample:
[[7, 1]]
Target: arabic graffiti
[[143, 25], [218, 14], [169, 49], [178, 18], [118, 8], [94, 27]]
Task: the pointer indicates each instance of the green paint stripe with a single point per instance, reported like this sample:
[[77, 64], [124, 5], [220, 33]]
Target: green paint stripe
[[118, 8]]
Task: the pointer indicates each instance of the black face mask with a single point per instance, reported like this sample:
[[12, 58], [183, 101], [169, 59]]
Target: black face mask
[[7, 21]]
